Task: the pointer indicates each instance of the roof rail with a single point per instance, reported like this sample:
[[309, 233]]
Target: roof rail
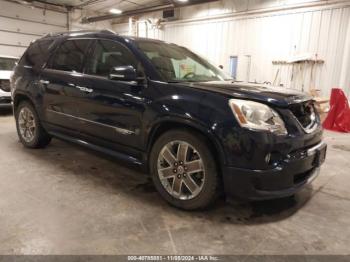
[[107, 31], [110, 31]]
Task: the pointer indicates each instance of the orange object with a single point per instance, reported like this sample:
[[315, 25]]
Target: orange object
[[338, 118]]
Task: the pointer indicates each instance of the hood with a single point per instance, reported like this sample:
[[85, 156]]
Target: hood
[[277, 96], [4, 74]]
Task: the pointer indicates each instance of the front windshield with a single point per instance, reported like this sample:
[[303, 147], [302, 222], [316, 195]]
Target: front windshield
[[178, 64], [7, 63]]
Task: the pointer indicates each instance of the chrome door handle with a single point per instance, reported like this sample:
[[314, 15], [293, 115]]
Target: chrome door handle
[[85, 89], [45, 82]]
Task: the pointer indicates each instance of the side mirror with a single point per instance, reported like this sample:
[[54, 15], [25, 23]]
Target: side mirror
[[123, 73]]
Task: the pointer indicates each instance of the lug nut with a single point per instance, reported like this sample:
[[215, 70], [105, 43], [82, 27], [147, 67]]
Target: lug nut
[[185, 175], [178, 176], [175, 164], [181, 162], [175, 170]]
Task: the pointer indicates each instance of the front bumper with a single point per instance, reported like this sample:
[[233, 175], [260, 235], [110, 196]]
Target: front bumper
[[5, 99], [288, 177]]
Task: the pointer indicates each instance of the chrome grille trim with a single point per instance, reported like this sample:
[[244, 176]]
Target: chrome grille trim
[[314, 123]]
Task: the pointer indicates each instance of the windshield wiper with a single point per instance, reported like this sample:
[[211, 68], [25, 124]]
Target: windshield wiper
[[180, 81], [186, 81]]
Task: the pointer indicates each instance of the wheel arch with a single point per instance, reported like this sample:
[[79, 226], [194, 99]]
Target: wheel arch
[[18, 98]]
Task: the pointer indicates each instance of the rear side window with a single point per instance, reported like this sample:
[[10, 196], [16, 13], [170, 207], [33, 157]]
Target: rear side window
[[70, 56], [36, 54]]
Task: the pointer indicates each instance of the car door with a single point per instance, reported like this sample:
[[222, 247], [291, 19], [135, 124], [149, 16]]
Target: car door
[[60, 80], [110, 110]]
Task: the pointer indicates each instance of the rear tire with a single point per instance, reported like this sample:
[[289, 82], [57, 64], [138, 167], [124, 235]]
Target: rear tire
[[184, 170], [29, 128]]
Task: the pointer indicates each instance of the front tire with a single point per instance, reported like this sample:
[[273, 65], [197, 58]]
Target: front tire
[[29, 129], [184, 170]]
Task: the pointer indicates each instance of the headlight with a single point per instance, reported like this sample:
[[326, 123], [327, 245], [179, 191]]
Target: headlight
[[254, 115]]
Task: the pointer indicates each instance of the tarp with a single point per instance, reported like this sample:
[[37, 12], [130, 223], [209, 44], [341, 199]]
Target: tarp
[[338, 118]]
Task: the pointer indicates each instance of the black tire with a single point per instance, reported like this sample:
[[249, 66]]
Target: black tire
[[40, 137], [210, 189]]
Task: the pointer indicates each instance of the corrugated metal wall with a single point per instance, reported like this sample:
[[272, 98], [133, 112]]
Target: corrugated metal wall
[[75, 21], [269, 36], [20, 24]]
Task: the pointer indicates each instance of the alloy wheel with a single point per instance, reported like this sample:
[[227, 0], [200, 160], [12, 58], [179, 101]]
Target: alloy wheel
[[26, 124], [181, 170]]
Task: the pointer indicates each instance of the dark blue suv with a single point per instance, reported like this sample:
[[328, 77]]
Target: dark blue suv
[[160, 106]]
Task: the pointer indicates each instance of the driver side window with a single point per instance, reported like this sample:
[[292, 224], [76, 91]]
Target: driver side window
[[107, 55]]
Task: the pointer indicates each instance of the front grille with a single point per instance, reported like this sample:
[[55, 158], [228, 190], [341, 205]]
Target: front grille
[[306, 115], [5, 100], [5, 85]]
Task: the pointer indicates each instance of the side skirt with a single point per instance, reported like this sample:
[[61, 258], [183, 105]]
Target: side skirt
[[118, 155]]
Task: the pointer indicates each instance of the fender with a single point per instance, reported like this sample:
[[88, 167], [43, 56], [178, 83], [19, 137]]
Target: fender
[[185, 123]]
